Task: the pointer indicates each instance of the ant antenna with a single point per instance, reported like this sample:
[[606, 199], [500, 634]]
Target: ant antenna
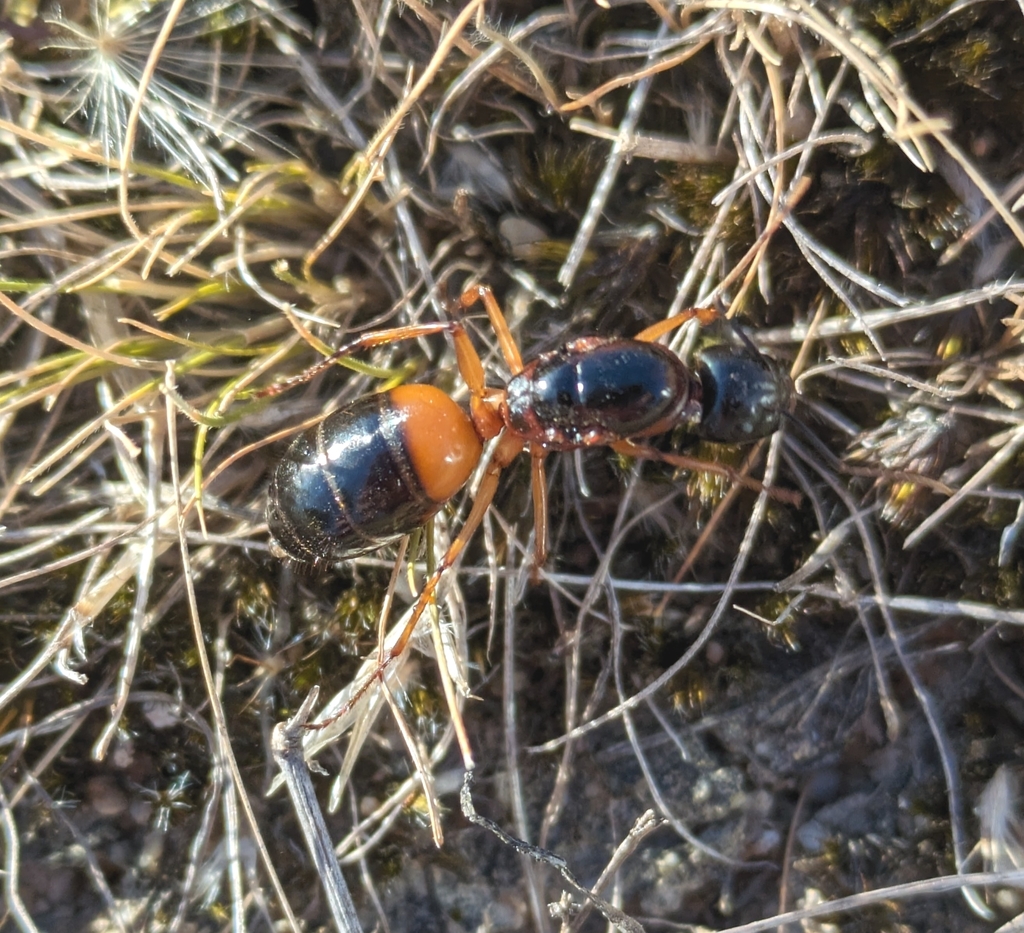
[[740, 331]]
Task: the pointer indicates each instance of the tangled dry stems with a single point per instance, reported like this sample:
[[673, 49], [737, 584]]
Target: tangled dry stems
[[200, 198]]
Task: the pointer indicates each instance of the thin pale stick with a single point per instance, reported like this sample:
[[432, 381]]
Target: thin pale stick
[[287, 748], [420, 763], [170, 20], [216, 708], [448, 685], [12, 866], [373, 156]]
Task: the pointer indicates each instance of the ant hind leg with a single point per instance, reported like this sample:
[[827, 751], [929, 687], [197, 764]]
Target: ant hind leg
[[506, 451], [509, 347], [373, 338]]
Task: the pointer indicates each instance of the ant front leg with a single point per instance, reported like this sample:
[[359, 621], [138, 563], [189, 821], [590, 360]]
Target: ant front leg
[[631, 449], [704, 316]]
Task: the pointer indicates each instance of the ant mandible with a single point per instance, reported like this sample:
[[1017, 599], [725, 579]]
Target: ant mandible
[[382, 466]]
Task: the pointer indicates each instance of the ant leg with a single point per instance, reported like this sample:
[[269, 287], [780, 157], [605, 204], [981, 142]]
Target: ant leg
[[539, 487], [506, 341], [370, 339], [483, 402], [486, 416], [471, 367], [631, 449], [507, 450], [704, 315]]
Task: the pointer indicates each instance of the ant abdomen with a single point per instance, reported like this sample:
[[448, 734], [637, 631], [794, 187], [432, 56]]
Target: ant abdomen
[[369, 473]]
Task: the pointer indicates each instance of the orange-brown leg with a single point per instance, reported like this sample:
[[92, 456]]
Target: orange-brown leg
[[482, 402], [704, 315], [632, 449], [470, 365], [373, 338], [509, 348], [508, 449], [539, 487]]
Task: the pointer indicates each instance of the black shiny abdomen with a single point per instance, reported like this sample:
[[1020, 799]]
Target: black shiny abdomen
[[598, 391], [346, 486], [743, 394]]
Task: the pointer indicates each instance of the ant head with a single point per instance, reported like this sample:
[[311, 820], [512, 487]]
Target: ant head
[[744, 394]]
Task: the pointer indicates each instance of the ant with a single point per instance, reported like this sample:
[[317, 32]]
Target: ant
[[382, 466]]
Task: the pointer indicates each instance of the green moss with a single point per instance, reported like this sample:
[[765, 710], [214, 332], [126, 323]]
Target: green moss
[[558, 177], [905, 15], [1008, 587], [691, 188]]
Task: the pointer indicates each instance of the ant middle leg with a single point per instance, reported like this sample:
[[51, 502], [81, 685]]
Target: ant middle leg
[[539, 489]]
